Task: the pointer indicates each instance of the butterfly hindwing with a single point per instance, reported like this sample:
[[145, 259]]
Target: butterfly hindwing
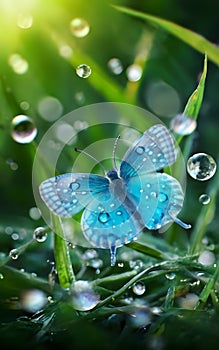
[[153, 151], [68, 194], [158, 198]]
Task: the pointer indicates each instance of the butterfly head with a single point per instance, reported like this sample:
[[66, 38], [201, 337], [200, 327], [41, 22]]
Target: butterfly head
[[112, 174]]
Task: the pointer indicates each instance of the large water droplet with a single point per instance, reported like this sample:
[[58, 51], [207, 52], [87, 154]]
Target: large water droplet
[[74, 186], [23, 129], [139, 288], [103, 217], [83, 296], [24, 21], [115, 66], [13, 254], [134, 72], [201, 166], [183, 125], [189, 301], [39, 234], [140, 150], [204, 199], [50, 108], [79, 27], [83, 71], [18, 64], [206, 258], [33, 300]]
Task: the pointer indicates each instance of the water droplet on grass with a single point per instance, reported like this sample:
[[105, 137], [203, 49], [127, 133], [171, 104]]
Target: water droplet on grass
[[183, 125], [201, 166], [23, 129], [83, 71], [79, 27], [134, 72], [139, 288], [39, 234], [115, 66], [33, 300], [83, 296], [13, 254], [1, 276], [204, 199], [170, 276], [206, 258], [24, 21], [18, 63]]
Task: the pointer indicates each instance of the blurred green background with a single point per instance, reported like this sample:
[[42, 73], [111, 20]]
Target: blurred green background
[[47, 53]]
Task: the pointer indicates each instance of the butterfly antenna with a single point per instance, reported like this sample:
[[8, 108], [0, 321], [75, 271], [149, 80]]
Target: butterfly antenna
[[90, 156], [114, 151]]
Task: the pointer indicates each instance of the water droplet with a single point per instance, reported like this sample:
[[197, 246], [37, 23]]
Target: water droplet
[[96, 263], [13, 254], [83, 71], [65, 51], [140, 150], [103, 217], [23, 129], [115, 66], [119, 213], [1, 276], [162, 197], [35, 213], [33, 300], [13, 165], [24, 21], [139, 288], [83, 296], [188, 301], [112, 256], [90, 254], [170, 276], [79, 27], [183, 125], [206, 258], [39, 234], [18, 64], [201, 166], [25, 105], [204, 199], [136, 264], [50, 108], [65, 133], [134, 72], [15, 236], [74, 186]]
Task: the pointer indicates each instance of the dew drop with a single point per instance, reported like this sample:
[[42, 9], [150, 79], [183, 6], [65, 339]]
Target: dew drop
[[74, 186], [18, 63], [206, 258], [134, 72], [13, 254], [183, 125], [162, 197], [204, 199], [140, 150], [83, 296], [39, 234], [79, 27], [65, 51], [1, 276], [23, 129], [170, 276], [115, 66], [119, 213], [83, 71], [33, 300], [189, 301], [201, 166], [25, 105], [103, 217], [24, 21], [139, 288], [136, 264], [96, 263]]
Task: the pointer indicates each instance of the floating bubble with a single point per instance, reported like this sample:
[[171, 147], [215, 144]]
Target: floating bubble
[[115, 66], [13, 254], [79, 27], [139, 288], [50, 108], [201, 166], [23, 129], [204, 199], [24, 21], [134, 72], [33, 300], [83, 71], [83, 296], [18, 63], [183, 125], [206, 258], [39, 234]]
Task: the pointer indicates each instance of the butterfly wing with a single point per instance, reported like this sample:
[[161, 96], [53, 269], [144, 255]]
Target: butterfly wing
[[68, 194], [158, 198], [153, 151]]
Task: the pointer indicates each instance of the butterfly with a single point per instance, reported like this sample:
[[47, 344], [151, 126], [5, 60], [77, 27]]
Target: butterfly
[[120, 204]]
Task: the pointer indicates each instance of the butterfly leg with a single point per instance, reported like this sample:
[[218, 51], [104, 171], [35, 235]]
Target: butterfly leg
[[181, 223]]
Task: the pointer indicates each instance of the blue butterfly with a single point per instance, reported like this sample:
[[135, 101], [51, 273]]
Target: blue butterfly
[[124, 201]]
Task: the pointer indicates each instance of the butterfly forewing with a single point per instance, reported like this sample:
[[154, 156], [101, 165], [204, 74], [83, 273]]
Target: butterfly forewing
[[153, 151], [68, 194]]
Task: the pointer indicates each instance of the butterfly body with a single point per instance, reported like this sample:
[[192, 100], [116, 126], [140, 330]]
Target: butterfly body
[[119, 205]]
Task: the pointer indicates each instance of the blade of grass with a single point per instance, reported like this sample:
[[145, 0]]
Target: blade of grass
[[197, 41]]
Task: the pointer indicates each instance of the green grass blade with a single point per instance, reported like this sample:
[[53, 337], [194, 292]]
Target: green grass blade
[[197, 41]]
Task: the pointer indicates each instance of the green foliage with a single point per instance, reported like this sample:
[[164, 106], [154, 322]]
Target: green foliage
[[179, 306]]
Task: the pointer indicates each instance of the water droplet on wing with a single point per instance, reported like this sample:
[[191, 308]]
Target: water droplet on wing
[[103, 217], [201, 166], [23, 129]]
